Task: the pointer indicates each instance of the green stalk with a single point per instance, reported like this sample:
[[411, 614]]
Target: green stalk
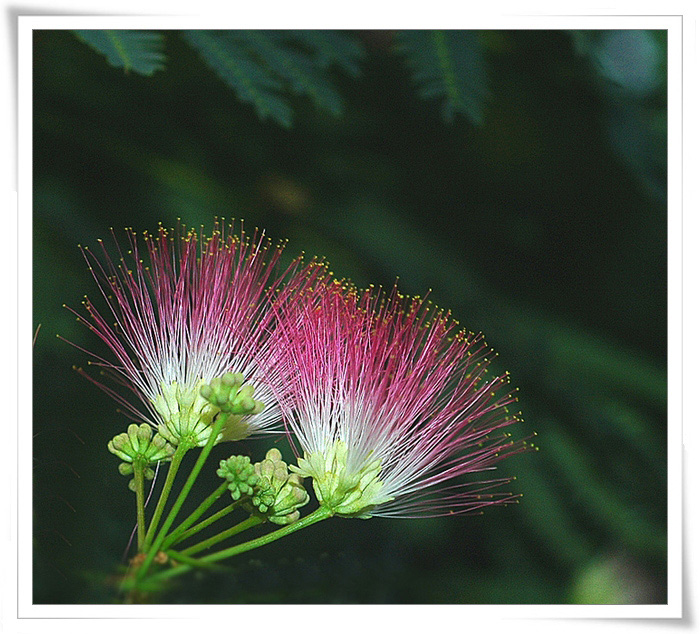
[[172, 471], [319, 514], [139, 469], [253, 520], [194, 516], [203, 524], [204, 454], [183, 559]]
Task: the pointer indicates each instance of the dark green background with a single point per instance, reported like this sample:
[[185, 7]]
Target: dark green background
[[544, 227]]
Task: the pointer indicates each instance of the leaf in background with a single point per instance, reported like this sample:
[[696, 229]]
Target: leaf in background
[[448, 65], [550, 518], [251, 81], [140, 51], [329, 48], [597, 497], [304, 76], [630, 72], [582, 358], [631, 59], [637, 133]]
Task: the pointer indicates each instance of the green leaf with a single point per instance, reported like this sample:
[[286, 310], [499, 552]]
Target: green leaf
[[597, 497], [298, 69], [549, 517], [631, 59], [233, 63], [140, 51], [330, 48], [450, 66]]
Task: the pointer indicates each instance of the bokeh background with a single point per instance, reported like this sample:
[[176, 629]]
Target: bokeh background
[[520, 175]]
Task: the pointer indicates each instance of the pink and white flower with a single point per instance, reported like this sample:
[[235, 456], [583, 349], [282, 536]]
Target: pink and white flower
[[195, 309], [392, 404]]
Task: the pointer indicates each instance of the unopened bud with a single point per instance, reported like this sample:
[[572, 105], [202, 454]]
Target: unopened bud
[[246, 391], [231, 396], [121, 447], [278, 493], [274, 454], [240, 474], [232, 380], [145, 433], [139, 448]]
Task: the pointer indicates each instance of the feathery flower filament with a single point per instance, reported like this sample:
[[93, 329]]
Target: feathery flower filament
[[196, 309], [391, 404]]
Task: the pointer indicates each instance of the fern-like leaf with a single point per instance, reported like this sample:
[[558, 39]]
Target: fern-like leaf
[[251, 81], [330, 48], [138, 51], [297, 69], [448, 65]]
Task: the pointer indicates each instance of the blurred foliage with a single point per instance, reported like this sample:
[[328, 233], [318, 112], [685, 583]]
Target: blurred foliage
[[449, 65], [537, 217], [139, 51]]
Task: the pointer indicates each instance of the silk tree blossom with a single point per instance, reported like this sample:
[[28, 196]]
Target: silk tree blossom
[[392, 404], [195, 309]]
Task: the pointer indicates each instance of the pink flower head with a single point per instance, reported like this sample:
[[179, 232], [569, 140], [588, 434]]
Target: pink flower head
[[392, 405], [195, 309]]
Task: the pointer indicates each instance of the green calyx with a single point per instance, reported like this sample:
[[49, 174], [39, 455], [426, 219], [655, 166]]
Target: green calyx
[[240, 474], [138, 447], [187, 416], [278, 493], [188, 413], [348, 493]]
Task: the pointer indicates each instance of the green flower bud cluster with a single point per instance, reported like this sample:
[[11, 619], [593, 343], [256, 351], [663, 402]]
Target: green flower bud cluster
[[273, 491], [278, 494], [139, 443], [188, 412], [230, 395], [139, 448], [240, 474]]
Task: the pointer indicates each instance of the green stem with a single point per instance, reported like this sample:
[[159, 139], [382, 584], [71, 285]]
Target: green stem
[[194, 516], [172, 470], [184, 559], [253, 520], [204, 523], [139, 469], [204, 454], [319, 514]]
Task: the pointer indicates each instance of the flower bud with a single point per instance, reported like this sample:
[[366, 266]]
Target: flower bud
[[121, 447], [278, 494], [289, 498], [240, 474], [139, 448], [232, 380], [231, 396]]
